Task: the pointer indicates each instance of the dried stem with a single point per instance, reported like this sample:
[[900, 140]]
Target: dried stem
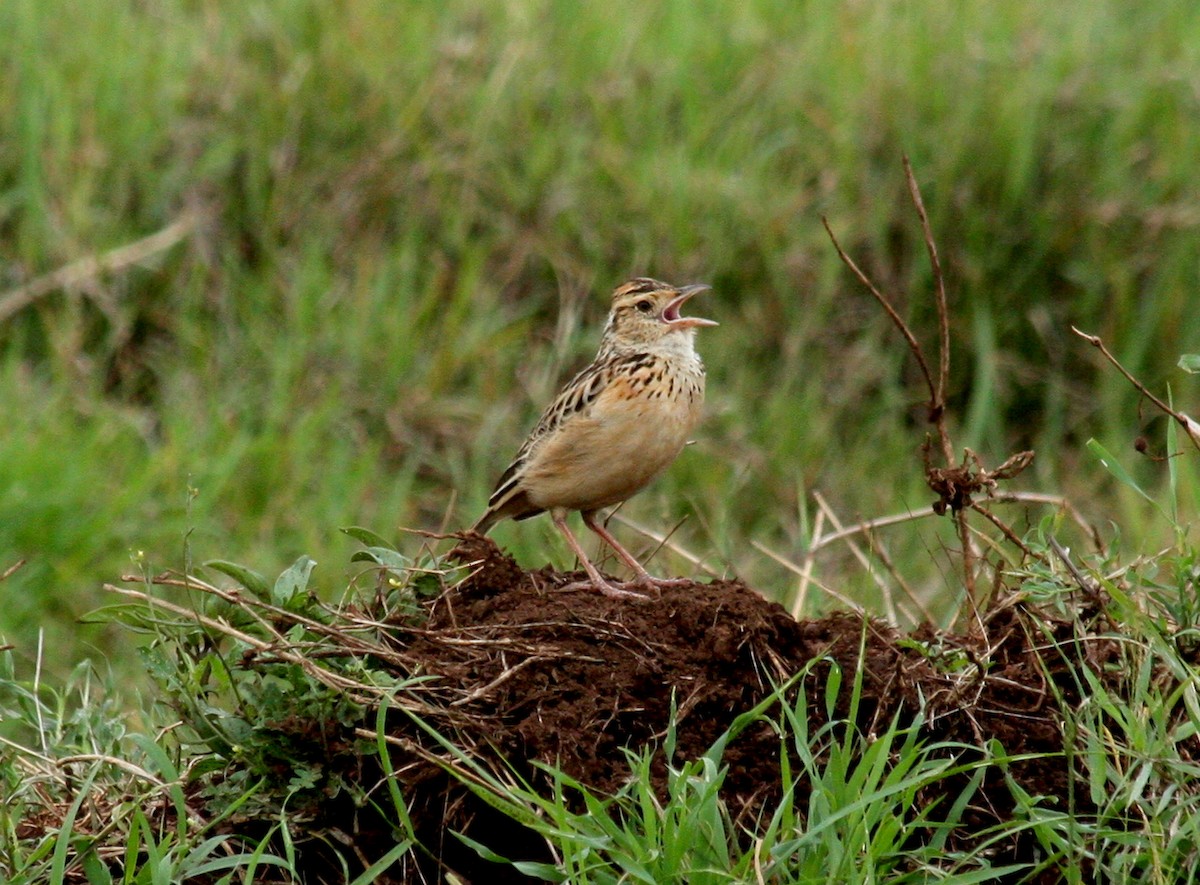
[[943, 310], [87, 269], [1004, 528], [882, 554], [278, 648], [954, 483], [806, 570], [937, 407], [795, 569], [1190, 427], [11, 570], [913, 345], [665, 540]]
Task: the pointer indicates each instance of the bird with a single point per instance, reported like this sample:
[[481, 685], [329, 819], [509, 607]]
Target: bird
[[614, 427]]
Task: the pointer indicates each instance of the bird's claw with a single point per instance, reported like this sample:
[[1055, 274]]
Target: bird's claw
[[609, 589], [660, 583]]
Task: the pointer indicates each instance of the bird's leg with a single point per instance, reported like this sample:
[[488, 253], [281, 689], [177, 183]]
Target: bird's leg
[[559, 517], [643, 577]]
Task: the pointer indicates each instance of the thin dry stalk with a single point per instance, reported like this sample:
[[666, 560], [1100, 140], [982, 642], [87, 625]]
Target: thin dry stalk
[[954, 483], [1004, 528], [795, 569], [87, 269], [279, 648], [863, 559], [1093, 593], [869, 525], [881, 553], [936, 412], [128, 767], [256, 608], [969, 554], [665, 540], [1090, 530], [1190, 427], [12, 570], [820, 539], [898, 321], [507, 674], [943, 311], [806, 569]]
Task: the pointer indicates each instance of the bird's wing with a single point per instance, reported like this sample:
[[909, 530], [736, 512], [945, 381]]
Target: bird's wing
[[575, 397]]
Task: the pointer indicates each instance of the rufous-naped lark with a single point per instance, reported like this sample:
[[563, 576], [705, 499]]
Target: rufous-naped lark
[[615, 426]]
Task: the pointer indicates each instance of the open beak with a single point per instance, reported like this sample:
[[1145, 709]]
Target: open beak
[[670, 314]]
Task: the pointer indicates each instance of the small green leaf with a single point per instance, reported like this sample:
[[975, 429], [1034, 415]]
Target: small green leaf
[[248, 578], [127, 613], [482, 850], [384, 556], [384, 863], [294, 581], [545, 871], [95, 870], [427, 585], [1190, 362], [366, 537]]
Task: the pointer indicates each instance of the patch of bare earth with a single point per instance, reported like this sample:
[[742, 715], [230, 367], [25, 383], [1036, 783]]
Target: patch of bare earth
[[528, 671]]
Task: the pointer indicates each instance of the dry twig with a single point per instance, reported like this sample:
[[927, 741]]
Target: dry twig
[[955, 483], [938, 403], [1190, 427], [86, 269]]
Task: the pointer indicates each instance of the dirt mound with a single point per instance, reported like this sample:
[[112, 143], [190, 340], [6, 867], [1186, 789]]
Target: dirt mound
[[532, 671]]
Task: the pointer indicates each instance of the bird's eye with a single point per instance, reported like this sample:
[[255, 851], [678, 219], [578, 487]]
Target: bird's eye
[[644, 306]]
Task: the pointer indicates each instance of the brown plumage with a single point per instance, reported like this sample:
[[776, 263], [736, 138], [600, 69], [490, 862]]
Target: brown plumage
[[616, 425]]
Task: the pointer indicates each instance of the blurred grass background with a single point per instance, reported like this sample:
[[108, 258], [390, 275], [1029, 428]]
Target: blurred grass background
[[406, 219]]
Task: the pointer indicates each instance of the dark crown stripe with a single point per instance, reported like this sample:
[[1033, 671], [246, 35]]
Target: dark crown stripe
[[642, 284]]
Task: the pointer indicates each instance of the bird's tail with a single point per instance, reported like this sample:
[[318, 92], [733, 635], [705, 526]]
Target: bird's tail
[[485, 522]]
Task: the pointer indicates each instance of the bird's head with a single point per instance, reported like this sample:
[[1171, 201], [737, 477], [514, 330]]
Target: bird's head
[[645, 311]]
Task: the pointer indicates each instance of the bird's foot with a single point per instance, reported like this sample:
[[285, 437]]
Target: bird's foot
[[646, 580], [608, 588]]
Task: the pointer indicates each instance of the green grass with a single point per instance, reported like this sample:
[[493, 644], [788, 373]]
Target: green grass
[[116, 779], [857, 824], [411, 219], [152, 796]]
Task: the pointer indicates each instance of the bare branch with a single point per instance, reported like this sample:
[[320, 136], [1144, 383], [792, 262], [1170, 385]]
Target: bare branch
[[955, 483], [1008, 532]]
